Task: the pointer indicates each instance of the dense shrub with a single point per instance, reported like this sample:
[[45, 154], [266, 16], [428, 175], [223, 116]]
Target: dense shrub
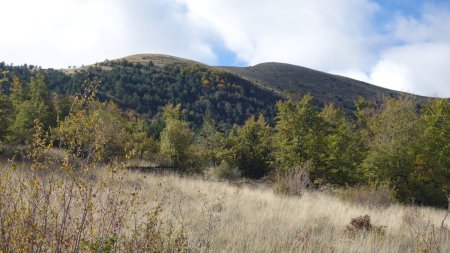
[[52, 209]]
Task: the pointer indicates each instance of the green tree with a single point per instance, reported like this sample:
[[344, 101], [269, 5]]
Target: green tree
[[343, 155], [176, 139], [22, 128], [300, 136], [41, 100], [393, 148], [6, 110], [142, 143], [253, 149], [430, 180], [361, 132], [18, 92], [209, 141], [28, 109], [95, 130]]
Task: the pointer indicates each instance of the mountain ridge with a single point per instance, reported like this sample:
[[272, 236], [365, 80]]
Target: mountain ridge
[[162, 60], [146, 83], [289, 80]]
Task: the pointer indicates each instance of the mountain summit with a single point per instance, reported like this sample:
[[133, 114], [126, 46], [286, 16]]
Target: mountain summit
[[287, 79]]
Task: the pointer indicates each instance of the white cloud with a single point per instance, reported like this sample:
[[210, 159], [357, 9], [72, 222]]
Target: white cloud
[[339, 36], [414, 56], [164, 26], [315, 33], [51, 32], [419, 68], [58, 33], [421, 63]]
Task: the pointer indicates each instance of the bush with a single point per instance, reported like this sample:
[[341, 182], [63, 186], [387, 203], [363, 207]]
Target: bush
[[428, 237], [53, 208], [96, 131], [381, 195], [294, 181], [223, 171], [362, 224]]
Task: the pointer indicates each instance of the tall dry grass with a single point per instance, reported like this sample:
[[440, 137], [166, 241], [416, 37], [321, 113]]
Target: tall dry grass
[[220, 217], [112, 210]]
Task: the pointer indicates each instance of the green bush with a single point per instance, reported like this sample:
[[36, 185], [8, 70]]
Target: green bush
[[223, 171]]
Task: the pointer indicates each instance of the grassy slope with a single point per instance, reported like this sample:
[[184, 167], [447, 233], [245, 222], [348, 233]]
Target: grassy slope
[[220, 217], [159, 60], [323, 86]]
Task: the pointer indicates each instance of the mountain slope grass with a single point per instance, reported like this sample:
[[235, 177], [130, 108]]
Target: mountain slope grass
[[297, 81], [254, 219], [129, 211]]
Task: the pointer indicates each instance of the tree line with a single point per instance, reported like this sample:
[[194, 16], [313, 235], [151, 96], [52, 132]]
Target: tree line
[[146, 89], [399, 142]]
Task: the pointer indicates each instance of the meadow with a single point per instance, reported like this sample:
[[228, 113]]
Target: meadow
[[109, 209]]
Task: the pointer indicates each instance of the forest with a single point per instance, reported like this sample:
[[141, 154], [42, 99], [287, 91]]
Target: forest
[[198, 121], [146, 89]]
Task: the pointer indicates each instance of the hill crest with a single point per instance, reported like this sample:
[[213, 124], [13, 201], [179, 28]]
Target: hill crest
[[280, 78]]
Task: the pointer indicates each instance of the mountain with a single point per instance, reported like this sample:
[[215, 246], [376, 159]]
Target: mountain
[[296, 80], [285, 80], [147, 82], [288, 80]]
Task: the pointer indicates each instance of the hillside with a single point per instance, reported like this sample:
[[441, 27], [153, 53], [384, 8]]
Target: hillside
[[326, 88], [158, 60], [141, 212], [280, 79], [161, 60], [285, 79], [147, 82]]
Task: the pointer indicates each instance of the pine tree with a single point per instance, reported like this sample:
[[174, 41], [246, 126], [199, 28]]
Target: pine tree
[[18, 92], [28, 109]]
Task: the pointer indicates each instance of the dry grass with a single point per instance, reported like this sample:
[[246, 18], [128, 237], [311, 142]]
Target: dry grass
[[220, 217]]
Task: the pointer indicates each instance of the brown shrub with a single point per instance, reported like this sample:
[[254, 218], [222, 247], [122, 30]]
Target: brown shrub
[[70, 209], [361, 223], [427, 236], [294, 181], [373, 196]]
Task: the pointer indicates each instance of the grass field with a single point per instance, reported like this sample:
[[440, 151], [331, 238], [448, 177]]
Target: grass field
[[212, 216], [253, 219]]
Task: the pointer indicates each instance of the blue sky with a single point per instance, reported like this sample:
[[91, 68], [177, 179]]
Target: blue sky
[[402, 45]]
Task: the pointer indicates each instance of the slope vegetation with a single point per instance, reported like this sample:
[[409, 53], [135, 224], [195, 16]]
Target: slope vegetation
[[147, 82], [296, 80]]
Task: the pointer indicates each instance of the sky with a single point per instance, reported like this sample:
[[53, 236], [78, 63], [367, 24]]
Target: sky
[[398, 44]]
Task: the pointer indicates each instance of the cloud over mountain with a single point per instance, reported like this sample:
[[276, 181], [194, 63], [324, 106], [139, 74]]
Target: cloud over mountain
[[397, 45]]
